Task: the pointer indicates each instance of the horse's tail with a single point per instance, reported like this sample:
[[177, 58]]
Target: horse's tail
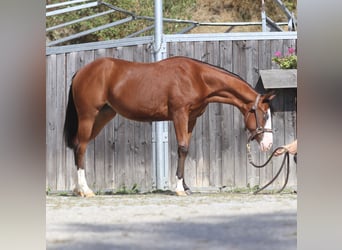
[[71, 120]]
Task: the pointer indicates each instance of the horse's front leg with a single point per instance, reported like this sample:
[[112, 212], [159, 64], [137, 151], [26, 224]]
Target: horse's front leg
[[183, 129]]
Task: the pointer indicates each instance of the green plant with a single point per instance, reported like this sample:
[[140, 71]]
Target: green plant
[[124, 190], [288, 61]]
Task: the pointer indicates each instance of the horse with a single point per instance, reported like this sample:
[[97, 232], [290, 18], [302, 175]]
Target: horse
[[176, 89]]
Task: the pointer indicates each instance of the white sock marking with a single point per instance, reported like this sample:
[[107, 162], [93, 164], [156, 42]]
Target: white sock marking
[[82, 185], [179, 186]]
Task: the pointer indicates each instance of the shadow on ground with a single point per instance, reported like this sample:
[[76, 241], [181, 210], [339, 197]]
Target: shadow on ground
[[261, 231]]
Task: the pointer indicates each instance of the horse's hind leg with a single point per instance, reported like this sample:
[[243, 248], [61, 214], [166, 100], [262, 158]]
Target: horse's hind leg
[[84, 134], [105, 114], [183, 129], [89, 128]]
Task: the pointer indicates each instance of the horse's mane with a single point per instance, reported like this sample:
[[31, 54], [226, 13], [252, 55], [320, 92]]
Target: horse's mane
[[220, 68]]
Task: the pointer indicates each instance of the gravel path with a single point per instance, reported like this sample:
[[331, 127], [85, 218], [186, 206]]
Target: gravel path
[[160, 221]]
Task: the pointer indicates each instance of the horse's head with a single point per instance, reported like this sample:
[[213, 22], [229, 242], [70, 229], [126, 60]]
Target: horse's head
[[258, 121]]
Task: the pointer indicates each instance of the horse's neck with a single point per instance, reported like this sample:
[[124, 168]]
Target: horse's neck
[[232, 90]]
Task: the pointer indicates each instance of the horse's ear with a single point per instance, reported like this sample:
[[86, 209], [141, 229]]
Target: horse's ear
[[269, 96]]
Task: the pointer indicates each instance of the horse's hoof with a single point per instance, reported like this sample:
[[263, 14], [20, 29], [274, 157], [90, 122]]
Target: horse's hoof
[[188, 192], [88, 195], [181, 193], [82, 194]]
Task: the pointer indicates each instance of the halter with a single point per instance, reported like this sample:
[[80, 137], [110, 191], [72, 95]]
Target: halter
[[256, 132], [259, 129]]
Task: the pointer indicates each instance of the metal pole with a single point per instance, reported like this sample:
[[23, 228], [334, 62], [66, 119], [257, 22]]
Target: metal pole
[[161, 128], [263, 16]]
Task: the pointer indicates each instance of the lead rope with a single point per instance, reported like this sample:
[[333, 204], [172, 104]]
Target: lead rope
[[287, 169]]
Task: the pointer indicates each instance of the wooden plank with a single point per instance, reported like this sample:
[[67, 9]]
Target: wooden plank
[[81, 59], [265, 55], [279, 133], [99, 145], [215, 119], [227, 140], [252, 76], [202, 145], [265, 62], [290, 124], [51, 132], [109, 151], [276, 45], [69, 155], [239, 62], [60, 109]]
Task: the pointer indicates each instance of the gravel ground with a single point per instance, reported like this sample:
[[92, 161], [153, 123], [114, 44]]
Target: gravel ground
[[164, 221]]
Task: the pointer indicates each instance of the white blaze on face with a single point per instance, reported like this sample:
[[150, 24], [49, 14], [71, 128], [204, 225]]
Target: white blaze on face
[[267, 140]]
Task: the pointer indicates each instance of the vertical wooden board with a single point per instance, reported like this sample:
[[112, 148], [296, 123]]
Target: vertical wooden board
[[109, 147], [130, 179], [147, 53], [279, 132], [173, 155], [186, 49], [203, 147], [138, 53], [227, 140], [265, 55], [215, 118], [252, 75], [99, 143], [276, 45], [83, 58], [70, 158], [289, 43], [51, 132], [142, 168], [215, 135], [265, 62], [144, 157], [173, 158], [118, 159], [129, 154], [172, 49], [239, 67], [109, 156], [61, 175], [60, 108], [290, 124]]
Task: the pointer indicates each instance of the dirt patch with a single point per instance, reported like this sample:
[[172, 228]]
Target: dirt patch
[[159, 221]]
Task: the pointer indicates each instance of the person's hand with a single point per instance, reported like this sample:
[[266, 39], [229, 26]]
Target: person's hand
[[291, 148]]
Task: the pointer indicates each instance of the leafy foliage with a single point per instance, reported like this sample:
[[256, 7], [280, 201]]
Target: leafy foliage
[[172, 9], [245, 10], [288, 61]]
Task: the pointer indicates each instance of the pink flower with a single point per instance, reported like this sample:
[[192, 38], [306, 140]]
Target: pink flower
[[277, 54], [291, 50]]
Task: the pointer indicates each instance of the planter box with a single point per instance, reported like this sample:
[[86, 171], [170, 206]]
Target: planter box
[[279, 78]]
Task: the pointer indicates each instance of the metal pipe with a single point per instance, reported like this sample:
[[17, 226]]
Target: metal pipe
[[87, 32], [161, 163], [79, 20], [70, 9], [65, 3], [263, 16]]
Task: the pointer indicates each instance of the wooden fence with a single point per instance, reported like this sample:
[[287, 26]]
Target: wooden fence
[[121, 155]]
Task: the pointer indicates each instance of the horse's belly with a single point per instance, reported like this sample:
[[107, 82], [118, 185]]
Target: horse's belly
[[141, 112]]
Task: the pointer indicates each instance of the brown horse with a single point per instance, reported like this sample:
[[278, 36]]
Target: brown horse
[[177, 89]]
